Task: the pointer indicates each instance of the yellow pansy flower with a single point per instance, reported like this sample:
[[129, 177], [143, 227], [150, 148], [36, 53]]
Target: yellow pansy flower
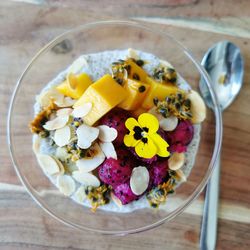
[[144, 138]]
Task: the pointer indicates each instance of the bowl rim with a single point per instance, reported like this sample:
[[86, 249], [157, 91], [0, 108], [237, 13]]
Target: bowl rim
[[216, 110]]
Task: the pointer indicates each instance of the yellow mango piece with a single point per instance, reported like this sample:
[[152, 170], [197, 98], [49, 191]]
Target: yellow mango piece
[[158, 90], [136, 113], [74, 86], [136, 71], [136, 92], [104, 95]]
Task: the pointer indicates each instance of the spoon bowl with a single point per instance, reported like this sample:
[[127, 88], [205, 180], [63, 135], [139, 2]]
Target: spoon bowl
[[225, 66]]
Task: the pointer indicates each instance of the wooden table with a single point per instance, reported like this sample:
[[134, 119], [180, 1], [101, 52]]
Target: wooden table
[[29, 24]]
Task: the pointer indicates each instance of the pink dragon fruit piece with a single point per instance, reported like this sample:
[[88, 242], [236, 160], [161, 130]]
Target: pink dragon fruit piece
[[124, 193], [180, 137], [114, 172], [178, 147], [116, 119], [159, 172]]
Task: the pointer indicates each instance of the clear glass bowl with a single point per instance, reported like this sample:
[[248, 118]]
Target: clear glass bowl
[[55, 57]]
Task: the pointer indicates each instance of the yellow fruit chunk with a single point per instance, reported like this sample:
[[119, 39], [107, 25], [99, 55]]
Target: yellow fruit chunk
[[136, 92], [157, 90], [136, 72], [104, 95], [74, 86]]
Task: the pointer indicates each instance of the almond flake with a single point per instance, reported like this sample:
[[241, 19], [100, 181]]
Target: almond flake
[[80, 194], [139, 180], [45, 98], [48, 164], [107, 134], [133, 54], [62, 136], [86, 135], [108, 149], [88, 164], [78, 65], [82, 110], [66, 184], [66, 102], [198, 108], [169, 124], [64, 111], [62, 154], [176, 161], [58, 122], [87, 179], [60, 165], [180, 175], [115, 199]]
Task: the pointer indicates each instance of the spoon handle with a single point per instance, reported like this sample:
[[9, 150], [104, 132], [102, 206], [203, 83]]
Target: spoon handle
[[210, 214]]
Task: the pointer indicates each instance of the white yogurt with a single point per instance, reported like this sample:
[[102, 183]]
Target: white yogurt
[[97, 65]]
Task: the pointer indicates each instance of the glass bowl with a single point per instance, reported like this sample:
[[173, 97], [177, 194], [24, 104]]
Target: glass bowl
[[54, 58]]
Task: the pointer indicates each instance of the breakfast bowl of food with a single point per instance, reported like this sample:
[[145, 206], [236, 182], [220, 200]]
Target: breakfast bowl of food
[[107, 129]]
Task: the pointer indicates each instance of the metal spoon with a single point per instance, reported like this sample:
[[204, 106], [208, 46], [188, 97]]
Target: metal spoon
[[225, 66]]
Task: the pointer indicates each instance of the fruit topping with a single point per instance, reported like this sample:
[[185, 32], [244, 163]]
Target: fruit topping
[[101, 98]]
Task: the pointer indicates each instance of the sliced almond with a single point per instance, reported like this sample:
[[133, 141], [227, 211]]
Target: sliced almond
[[133, 54], [78, 65], [115, 199], [82, 110], [108, 149], [66, 184], [198, 108], [107, 134], [169, 124], [87, 179], [60, 165], [45, 98], [36, 144], [80, 194], [86, 135], [64, 111], [58, 122], [62, 136], [88, 164], [62, 154], [139, 180], [180, 175], [66, 102], [48, 164], [176, 161]]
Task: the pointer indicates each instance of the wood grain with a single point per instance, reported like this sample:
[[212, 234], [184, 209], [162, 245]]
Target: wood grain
[[26, 27]]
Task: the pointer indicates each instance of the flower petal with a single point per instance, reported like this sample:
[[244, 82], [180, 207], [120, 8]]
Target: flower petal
[[161, 145], [129, 140], [149, 121], [131, 123], [146, 150]]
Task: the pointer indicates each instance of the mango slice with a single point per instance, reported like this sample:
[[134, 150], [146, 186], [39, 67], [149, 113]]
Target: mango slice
[[104, 95], [136, 92], [74, 86], [136, 72], [157, 90]]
